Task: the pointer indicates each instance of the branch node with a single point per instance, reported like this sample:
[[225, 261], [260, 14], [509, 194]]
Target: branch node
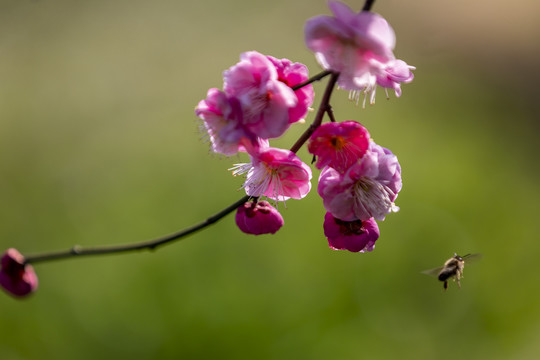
[[76, 250]]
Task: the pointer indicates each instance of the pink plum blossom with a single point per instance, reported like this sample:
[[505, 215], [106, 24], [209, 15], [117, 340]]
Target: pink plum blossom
[[355, 236], [257, 103], [339, 145], [16, 277], [258, 218], [275, 173], [265, 100], [222, 116], [357, 45], [368, 189], [293, 74]]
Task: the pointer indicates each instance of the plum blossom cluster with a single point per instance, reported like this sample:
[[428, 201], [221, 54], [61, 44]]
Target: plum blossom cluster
[[258, 103], [261, 97], [359, 183]]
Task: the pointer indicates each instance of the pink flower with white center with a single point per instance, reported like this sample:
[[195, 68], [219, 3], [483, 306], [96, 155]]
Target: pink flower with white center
[[222, 117], [293, 74], [357, 45], [339, 145], [355, 236], [275, 173], [16, 277], [368, 189], [395, 73], [258, 218], [265, 100]]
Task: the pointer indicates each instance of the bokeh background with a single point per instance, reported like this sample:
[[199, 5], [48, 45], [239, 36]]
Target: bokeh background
[[99, 145]]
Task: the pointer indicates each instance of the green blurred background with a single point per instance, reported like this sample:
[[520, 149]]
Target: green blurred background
[[99, 145]]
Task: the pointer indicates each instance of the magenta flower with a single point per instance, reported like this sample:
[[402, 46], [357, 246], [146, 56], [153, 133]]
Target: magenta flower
[[277, 174], [368, 189], [292, 74], [339, 145], [258, 218], [265, 100], [355, 236], [357, 45], [16, 277], [222, 118]]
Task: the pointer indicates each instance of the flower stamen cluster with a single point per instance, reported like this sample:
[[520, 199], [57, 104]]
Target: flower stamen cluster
[[275, 173]]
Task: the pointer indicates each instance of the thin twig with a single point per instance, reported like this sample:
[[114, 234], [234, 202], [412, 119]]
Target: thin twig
[[149, 245], [317, 77], [368, 5], [330, 112]]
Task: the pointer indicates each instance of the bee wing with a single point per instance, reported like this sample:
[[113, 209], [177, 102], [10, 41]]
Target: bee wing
[[433, 272], [470, 258]]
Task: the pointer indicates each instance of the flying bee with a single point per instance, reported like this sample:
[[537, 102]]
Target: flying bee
[[452, 268]]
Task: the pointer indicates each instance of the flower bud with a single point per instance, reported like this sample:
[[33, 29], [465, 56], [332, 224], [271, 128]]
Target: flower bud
[[258, 218], [16, 277]]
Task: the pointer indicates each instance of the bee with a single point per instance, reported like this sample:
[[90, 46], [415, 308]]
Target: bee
[[452, 268]]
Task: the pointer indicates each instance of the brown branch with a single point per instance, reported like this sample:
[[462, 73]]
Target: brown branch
[[317, 77], [323, 108], [149, 245], [368, 5]]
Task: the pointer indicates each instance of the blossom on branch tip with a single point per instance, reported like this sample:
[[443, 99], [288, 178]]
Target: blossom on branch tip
[[357, 45], [275, 173], [355, 236], [368, 189], [258, 218], [339, 144], [16, 277]]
